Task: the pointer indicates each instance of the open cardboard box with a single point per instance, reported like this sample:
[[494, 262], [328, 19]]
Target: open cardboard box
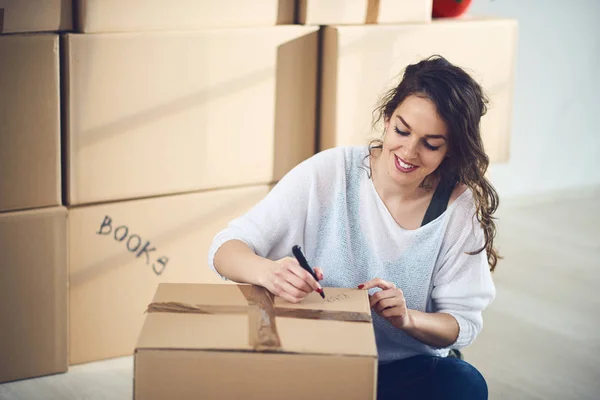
[[221, 341]]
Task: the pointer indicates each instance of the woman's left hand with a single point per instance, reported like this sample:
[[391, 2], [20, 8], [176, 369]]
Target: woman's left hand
[[389, 303]]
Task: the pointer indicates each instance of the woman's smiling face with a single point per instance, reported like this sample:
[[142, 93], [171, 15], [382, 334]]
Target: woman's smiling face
[[415, 142]]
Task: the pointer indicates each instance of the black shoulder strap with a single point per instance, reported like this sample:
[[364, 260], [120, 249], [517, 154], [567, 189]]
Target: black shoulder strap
[[439, 201]]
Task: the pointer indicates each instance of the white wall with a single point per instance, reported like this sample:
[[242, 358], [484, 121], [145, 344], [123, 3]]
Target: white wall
[[556, 118]]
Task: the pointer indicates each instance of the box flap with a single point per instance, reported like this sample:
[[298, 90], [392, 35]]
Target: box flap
[[231, 329], [300, 335]]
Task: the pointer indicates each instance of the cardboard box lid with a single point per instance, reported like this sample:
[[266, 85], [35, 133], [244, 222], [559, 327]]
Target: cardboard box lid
[[222, 331]]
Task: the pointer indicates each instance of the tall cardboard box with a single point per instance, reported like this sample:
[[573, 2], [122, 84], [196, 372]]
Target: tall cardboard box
[[231, 342], [359, 12], [156, 15], [170, 112], [360, 63], [120, 252], [30, 154], [33, 293], [18, 16]]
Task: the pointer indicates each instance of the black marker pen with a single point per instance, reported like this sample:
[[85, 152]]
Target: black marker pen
[[304, 264]]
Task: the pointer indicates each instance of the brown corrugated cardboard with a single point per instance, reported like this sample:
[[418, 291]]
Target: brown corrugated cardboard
[[153, 15], [30, 122], [119, 252], [360, 63], [213, 353], [358, 12], [33, 293], [35, 16], [170, 112]]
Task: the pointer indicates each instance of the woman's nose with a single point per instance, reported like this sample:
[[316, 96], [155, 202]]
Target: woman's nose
[[409, 150]]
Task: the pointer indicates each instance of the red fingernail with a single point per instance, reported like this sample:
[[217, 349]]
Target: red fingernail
[[319, 290], [361, 286]]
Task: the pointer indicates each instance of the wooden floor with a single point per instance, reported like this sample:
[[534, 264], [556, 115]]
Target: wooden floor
[[541, 338]]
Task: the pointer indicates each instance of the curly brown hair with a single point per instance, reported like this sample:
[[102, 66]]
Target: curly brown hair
[[460, 102]]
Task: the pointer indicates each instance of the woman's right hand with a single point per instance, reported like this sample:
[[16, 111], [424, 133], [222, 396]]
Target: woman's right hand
[[288, 280]]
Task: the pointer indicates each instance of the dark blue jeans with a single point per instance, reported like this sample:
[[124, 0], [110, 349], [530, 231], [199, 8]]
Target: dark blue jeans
[[429, 377]]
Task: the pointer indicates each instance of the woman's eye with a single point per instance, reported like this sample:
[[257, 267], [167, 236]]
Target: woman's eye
[[430, 147], [425, 143], [401, 133]]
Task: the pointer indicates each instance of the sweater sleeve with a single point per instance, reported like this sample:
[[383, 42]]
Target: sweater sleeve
[[276, 223], [463, 286]]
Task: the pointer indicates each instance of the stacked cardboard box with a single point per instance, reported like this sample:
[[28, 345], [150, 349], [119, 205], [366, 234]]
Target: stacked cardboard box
[[119, 253], [18, 16], [377, 54], [360, 12], [170, 128], [367, 44], [157, 109], [165, 15], [33, 293], [33, 222], [154, 113]]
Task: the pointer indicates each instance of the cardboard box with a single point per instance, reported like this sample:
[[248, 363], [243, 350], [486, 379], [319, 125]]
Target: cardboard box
[[160, 113], [33, 293], [120, 252], [359, 12], [30, 171], [155, 15], [360, 63], [35, 16], [237, 342]]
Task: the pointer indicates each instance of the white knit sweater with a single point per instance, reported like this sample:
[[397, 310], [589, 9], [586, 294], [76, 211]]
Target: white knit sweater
[[329, 206]]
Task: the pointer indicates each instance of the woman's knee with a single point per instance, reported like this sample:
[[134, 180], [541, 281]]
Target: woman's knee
[[458, 379]]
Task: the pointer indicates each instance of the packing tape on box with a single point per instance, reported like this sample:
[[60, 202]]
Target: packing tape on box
[[262, 329], [262, 313], [1, 20], [372, 12]]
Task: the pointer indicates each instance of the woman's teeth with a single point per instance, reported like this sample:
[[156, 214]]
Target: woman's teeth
[[404, 165]]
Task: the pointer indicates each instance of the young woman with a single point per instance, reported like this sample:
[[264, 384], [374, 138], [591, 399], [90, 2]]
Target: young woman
[[408, 218]]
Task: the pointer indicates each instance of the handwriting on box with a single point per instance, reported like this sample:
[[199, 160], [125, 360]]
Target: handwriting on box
[[133, 243], [336, 298]]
